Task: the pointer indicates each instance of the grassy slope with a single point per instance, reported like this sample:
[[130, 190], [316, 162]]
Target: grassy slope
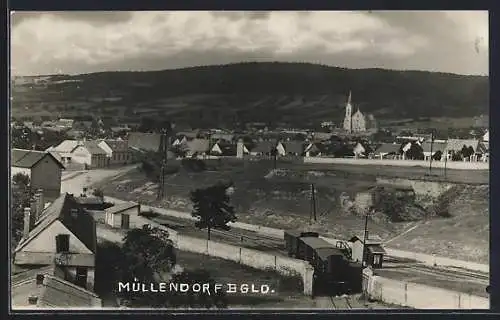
[[463, 236]]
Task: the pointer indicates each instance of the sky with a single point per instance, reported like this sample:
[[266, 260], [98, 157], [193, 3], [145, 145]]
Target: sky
[[84, 42]]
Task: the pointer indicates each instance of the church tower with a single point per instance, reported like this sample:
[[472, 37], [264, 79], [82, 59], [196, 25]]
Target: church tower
[[348, 115]]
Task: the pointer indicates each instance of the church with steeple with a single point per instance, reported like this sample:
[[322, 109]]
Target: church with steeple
[[357, 122]]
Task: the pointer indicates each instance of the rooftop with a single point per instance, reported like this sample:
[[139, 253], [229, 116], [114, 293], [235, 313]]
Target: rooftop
[[82, 226], [28, 158]]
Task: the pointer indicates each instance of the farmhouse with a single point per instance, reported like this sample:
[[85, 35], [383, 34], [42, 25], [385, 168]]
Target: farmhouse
[[43, 169], [118, 216], [225, 149], [90, 154], [64, 149], [62, 235]]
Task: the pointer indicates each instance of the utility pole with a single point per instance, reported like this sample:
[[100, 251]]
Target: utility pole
[[164, 155], [430, 158], [313, 202], [445, 162], [365, 237]]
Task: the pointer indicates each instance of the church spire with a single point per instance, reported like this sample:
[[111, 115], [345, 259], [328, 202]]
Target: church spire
[[349, 98]]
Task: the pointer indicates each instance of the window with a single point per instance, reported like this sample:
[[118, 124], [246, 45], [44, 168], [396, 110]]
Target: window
[[81, 277], [62, 243], [39, 279], [376, 259]]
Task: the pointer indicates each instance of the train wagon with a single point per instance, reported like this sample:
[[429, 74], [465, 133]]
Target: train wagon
[[292, 240]]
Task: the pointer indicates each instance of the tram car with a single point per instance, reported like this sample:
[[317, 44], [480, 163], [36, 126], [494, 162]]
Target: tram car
[[332, 263]]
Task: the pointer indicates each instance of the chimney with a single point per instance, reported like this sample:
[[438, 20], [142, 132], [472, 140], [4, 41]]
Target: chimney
[[40, 203], [33, 208], [28, 222], [239, 149]]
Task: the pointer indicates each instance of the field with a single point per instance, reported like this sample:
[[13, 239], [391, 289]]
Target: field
[[281, 199]]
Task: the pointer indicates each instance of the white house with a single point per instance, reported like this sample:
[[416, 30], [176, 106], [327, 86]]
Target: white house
[[90, 154], [64, 149], [486, 136], [358, 150]]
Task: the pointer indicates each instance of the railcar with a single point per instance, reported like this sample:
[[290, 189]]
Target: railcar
[[332, 266]]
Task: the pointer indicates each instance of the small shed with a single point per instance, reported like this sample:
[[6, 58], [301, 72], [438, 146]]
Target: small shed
[[374, 255], [118, 216]]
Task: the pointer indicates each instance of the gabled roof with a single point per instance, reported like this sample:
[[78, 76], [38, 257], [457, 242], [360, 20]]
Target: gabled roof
[[121, 207], [83, 226], [57, 292], [458, 144], [296, 147], [117, 145], [93, 148], [66, 146], [21, 158], [145, 141], [388, 148]]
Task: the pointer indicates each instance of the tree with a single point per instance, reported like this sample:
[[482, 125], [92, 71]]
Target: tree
[[437, 155], [212, 207], [415, 152], [20, 200], [149, 254]]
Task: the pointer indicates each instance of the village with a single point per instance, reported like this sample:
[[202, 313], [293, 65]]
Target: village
[[51, 211]]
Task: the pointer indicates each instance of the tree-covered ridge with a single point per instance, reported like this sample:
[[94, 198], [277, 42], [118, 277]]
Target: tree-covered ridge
[[279, 91]]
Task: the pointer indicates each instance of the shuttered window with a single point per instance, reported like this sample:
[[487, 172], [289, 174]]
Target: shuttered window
[[62, 243]]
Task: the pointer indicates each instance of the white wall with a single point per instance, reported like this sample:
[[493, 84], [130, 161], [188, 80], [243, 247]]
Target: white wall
[[402, 163], [81, 155], [248, 257], [420, 296]]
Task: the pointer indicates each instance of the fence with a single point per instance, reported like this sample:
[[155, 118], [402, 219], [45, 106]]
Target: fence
[[459, 165], [417, 295], [252, 258]]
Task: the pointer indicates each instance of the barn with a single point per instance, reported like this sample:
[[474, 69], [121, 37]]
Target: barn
[[118, 216]]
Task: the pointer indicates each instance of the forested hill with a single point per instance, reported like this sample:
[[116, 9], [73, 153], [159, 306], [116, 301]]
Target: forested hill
[[264, 91]]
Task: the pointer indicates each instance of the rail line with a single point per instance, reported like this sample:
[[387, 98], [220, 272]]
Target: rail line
[[451, 273], [340, 304]]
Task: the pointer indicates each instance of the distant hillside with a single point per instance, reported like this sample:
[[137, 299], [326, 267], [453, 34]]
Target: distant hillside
[[274, 92]]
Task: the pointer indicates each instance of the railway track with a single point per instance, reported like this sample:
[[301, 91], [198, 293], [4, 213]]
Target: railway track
[[340, 304], [447, 273]]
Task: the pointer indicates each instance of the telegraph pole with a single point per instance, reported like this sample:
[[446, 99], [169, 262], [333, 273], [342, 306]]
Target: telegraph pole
[[430, 158], [365, 236], [164, 155], [313, 199]]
